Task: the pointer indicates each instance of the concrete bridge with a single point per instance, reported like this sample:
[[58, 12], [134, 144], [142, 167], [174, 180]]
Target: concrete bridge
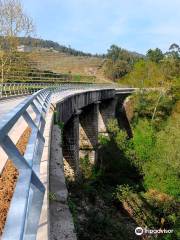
[[82, 113]]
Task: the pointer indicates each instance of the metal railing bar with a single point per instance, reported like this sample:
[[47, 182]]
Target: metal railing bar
[[15, 225], [33, 214], [34, 107], [29, 120], [14, 154], [29, 162], [22, 186], [11, 118]]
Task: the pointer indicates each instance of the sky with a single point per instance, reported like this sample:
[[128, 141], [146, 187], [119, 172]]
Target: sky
[[94, 25]]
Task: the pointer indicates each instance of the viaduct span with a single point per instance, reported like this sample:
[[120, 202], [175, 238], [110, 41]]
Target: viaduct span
[[82, 113]]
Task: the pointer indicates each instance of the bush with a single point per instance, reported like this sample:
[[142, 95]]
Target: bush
[[123, 192], [162, 171], [143, 142]]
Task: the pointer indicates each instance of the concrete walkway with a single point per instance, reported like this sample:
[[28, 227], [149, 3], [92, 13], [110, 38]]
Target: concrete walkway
[[63, 225], [7, 105], [61, 221]]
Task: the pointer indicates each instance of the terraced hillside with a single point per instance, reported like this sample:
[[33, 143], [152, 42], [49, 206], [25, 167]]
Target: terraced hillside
[[53, 66], [80, 66]]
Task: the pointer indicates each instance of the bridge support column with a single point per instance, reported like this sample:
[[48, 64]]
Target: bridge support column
[[71, 143], [107, 111], [88, 131], [122, 116]]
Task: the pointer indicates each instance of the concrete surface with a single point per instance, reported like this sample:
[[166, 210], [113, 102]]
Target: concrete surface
[[7, 105], [61, 221]]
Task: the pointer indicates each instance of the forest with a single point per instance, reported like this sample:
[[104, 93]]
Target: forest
[[137, 180], [154, 69]]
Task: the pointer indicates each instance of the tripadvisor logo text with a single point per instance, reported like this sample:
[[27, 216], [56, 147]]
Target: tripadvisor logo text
[[139, 231]]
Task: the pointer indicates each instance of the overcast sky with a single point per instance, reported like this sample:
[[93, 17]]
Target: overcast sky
[[94, 25]]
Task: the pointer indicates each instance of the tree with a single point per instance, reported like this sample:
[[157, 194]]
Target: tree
[[174, 47], [174, 51], [119, 62], [171, 63], [116, 70], [14, 22], [155, 55]]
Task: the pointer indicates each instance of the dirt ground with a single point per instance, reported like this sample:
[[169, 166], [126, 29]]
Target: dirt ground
[[8, 179]]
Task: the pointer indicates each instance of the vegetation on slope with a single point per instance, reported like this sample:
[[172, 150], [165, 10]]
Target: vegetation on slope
[[136, 181], [119, 62], [154, 69]]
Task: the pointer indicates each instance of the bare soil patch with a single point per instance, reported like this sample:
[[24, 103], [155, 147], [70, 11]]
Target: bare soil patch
[[8, 179]]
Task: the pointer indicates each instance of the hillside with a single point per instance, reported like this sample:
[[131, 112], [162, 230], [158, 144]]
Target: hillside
[[50, 56], [37, 43], [45, 60], [63, 63], [80, 66], [46, 66]]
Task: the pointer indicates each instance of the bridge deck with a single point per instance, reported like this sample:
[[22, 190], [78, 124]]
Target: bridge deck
[[7, 105]]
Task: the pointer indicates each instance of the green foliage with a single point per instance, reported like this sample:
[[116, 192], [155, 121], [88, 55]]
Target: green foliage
[[81, 78], [171, 69], [155, 55], [154, 152], [123, 192], [144, 74], [73, 209], [174, 51], [103, 140], [116, 70], [155, 106], [117, 154], [143, 142], [112, 127], [166, 209], [61, 125], [119, 62], [86, 166], [157, 70], [140, 175], [162, 171], [102, 225]]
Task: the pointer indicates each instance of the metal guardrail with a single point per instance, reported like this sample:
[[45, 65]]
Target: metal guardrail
[[17, 89], [28, 195], [23, 216]]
